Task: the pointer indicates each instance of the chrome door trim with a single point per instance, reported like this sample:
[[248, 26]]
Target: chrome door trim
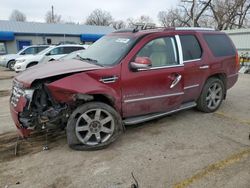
[[163, 67], [152, 97], [204, 67], [178, 41], [191, 60], [176, 81], [191, 86]]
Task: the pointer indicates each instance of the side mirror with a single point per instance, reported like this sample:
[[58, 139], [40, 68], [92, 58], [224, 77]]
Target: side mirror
[[47, 54], [23, 53], [141, 63]]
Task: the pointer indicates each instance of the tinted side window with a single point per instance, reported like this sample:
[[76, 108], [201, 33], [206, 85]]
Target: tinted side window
[[69, 49], [39, 49], [161, 51], [191, 48], [220, 45], [57, 51], [31, 50]]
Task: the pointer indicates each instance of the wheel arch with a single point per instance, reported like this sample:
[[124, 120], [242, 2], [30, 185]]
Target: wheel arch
[[83, 98], [33, 62], [7, 65], [223, 78]]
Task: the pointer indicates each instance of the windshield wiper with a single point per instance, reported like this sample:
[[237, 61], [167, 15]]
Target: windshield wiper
[[87, 59], [94, 61]]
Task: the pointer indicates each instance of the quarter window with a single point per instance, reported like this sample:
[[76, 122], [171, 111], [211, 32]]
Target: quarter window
[[220, 45], [190, 47], [161, 51], [57, 51]]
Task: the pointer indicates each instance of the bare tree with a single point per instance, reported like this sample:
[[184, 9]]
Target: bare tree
[[173, 18], [188, 13], [230, 14], [53, 18], [119, 24], [99, 17], [141, 19], [220, 14], [17, 15]]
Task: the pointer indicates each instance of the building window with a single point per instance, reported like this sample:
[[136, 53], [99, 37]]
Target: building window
[[2, 48]]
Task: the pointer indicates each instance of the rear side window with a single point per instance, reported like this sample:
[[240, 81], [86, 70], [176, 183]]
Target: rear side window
[[40, 48], [31, 50], [220, 45], [68, 50], [191, 48]]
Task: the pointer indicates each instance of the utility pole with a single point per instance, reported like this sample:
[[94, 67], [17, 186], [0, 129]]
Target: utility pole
[[52, 14]]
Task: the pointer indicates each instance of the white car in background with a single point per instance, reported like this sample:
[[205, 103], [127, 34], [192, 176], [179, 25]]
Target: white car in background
[[9, 59], [67, 56], [49, 54]]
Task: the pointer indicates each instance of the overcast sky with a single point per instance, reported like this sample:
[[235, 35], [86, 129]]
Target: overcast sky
[[78, 10]]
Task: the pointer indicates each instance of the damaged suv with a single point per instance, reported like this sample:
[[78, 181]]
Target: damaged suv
[[126, 77]]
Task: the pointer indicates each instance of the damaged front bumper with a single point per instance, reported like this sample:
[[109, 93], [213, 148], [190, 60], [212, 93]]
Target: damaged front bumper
[[32, 108]]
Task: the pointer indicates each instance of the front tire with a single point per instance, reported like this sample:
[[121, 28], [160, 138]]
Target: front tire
[[11, 65], [93, 126], [211, 96]]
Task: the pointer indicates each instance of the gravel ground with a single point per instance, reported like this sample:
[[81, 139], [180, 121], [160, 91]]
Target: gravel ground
[[186, 149]]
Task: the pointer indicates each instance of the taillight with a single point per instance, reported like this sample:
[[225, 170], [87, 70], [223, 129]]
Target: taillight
[[237, 61]]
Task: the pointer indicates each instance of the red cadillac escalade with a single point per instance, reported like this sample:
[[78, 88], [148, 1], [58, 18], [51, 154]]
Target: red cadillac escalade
[[126, 77]]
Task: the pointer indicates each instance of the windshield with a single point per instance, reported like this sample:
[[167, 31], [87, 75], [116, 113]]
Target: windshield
[[108, 50]]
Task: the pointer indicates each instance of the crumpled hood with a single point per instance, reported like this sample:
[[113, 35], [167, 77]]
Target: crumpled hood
[[54, 68]]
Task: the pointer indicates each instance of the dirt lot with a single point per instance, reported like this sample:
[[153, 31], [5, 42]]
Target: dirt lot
[[187, 149]]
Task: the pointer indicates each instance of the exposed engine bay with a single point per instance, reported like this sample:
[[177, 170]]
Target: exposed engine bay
[[40, 107]]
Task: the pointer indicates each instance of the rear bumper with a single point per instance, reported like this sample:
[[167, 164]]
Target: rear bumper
[[23, 131]]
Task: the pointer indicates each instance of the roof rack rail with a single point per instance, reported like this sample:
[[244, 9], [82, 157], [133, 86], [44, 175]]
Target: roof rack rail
[[195, 28]]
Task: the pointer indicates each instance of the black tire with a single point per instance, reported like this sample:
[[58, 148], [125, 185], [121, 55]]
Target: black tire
[[204, 103], [74, 137], [11, 64], [31, 64]]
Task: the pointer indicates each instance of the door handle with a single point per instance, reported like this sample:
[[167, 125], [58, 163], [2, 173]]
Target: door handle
[[204, 67], [176, 81]]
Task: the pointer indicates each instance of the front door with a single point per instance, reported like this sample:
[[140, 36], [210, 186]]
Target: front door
[[158, 89]]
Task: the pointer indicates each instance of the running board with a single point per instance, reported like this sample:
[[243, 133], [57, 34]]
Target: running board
[[141, 119]]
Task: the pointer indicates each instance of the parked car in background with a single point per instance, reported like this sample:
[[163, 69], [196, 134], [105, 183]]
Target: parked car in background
[[9, 59], [126, 77], [49, 54], [72, 55]]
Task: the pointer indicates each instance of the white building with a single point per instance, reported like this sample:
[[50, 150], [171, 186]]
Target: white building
[[241, 39]]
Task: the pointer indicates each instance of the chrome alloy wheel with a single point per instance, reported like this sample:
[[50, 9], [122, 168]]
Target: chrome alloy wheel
[[94, 126], [214, 96]]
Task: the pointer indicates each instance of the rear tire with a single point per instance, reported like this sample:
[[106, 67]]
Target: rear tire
[[93, 126], [11, 65], [211, 96]]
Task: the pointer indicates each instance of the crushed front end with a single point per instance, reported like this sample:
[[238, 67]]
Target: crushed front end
[[34, 107]]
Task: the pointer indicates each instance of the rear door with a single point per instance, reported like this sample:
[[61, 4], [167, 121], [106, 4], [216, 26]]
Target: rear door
[[158, 89], [195, 66]]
